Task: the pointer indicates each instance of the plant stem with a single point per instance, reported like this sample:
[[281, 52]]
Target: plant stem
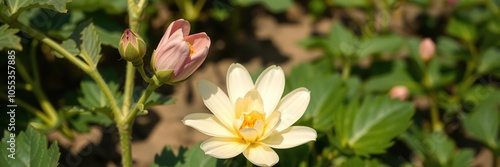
[[346, 70], [124, 130], [149, 90], [53, 119], [129, 87], [145, 77], [107, 93], [437, 126]]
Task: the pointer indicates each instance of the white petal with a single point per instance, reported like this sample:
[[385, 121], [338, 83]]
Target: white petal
[[249, 134], [271, 123], [291, 137], [261, 155], [270, 85], [208, 124], [238, 82], [292, 107], [223, 147], [217, 102]]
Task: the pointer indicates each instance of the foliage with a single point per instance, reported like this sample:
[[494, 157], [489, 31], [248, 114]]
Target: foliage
[[29, 149], [370, 48]]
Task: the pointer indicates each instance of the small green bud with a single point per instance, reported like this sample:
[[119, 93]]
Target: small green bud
[[132, 47]]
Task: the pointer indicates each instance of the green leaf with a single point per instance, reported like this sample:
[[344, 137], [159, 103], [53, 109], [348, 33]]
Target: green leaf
[[462, 30], [110, 7], [436, 148], [90, 46], [70, 46], [80, 118], [463, 157], [318, 80], [490, 60], [30, 149], [19, 5], [168, 158], [398, 76], [9, 39], [351, 3], [341, 41], [381, 44], [185, 158], [154, 99], [357, 161], [377, 117], [274, 6], [92, 98], [483, 124]]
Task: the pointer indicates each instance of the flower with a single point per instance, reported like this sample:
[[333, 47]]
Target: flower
[[426, 49], [399, 92], [131, 47], [253, 119], [179, 54]]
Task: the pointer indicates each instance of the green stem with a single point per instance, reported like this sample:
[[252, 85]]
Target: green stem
[[29, 108], [144, 76], [107, 93], [128, 89], [53, 44], [125, 141], [437, 125], [40, 95], [149, 90], [346, 70]]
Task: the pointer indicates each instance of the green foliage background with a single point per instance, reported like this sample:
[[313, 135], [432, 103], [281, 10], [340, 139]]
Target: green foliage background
[[358, 123]]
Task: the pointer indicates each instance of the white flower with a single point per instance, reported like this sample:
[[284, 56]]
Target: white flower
[[254, 118]]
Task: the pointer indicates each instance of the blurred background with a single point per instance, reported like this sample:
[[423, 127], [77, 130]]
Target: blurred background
[[347, 49]]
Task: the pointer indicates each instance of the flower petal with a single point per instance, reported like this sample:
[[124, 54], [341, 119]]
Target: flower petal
[[223, 147], [170, 56], [238, 82], [291, 137], [271, 123], [208, 124], [217, 102], [173, 27], [292, 107], [198, 41], [261, 155], [270, 85], [191, 64], [249, 134]]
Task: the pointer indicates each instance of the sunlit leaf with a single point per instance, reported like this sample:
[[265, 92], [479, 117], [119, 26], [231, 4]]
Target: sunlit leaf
[[377, 117], [462, 30], [30, 149], [70, 46], [490, 60], [380, 44], [483, 124], [18, 5], [9, 39], [91, 46]]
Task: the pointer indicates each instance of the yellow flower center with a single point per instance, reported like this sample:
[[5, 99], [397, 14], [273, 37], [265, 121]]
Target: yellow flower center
[[250, 116], [191, 50]]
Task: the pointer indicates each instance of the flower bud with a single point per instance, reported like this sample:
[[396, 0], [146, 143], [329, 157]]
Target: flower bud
[[399, 92], [426, 49], [179, 54], [132, 47]]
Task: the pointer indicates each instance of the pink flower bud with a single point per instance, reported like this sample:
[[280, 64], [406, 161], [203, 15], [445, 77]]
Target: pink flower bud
[[179, 54], [131, 46], [426, 49], [399, 92]]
